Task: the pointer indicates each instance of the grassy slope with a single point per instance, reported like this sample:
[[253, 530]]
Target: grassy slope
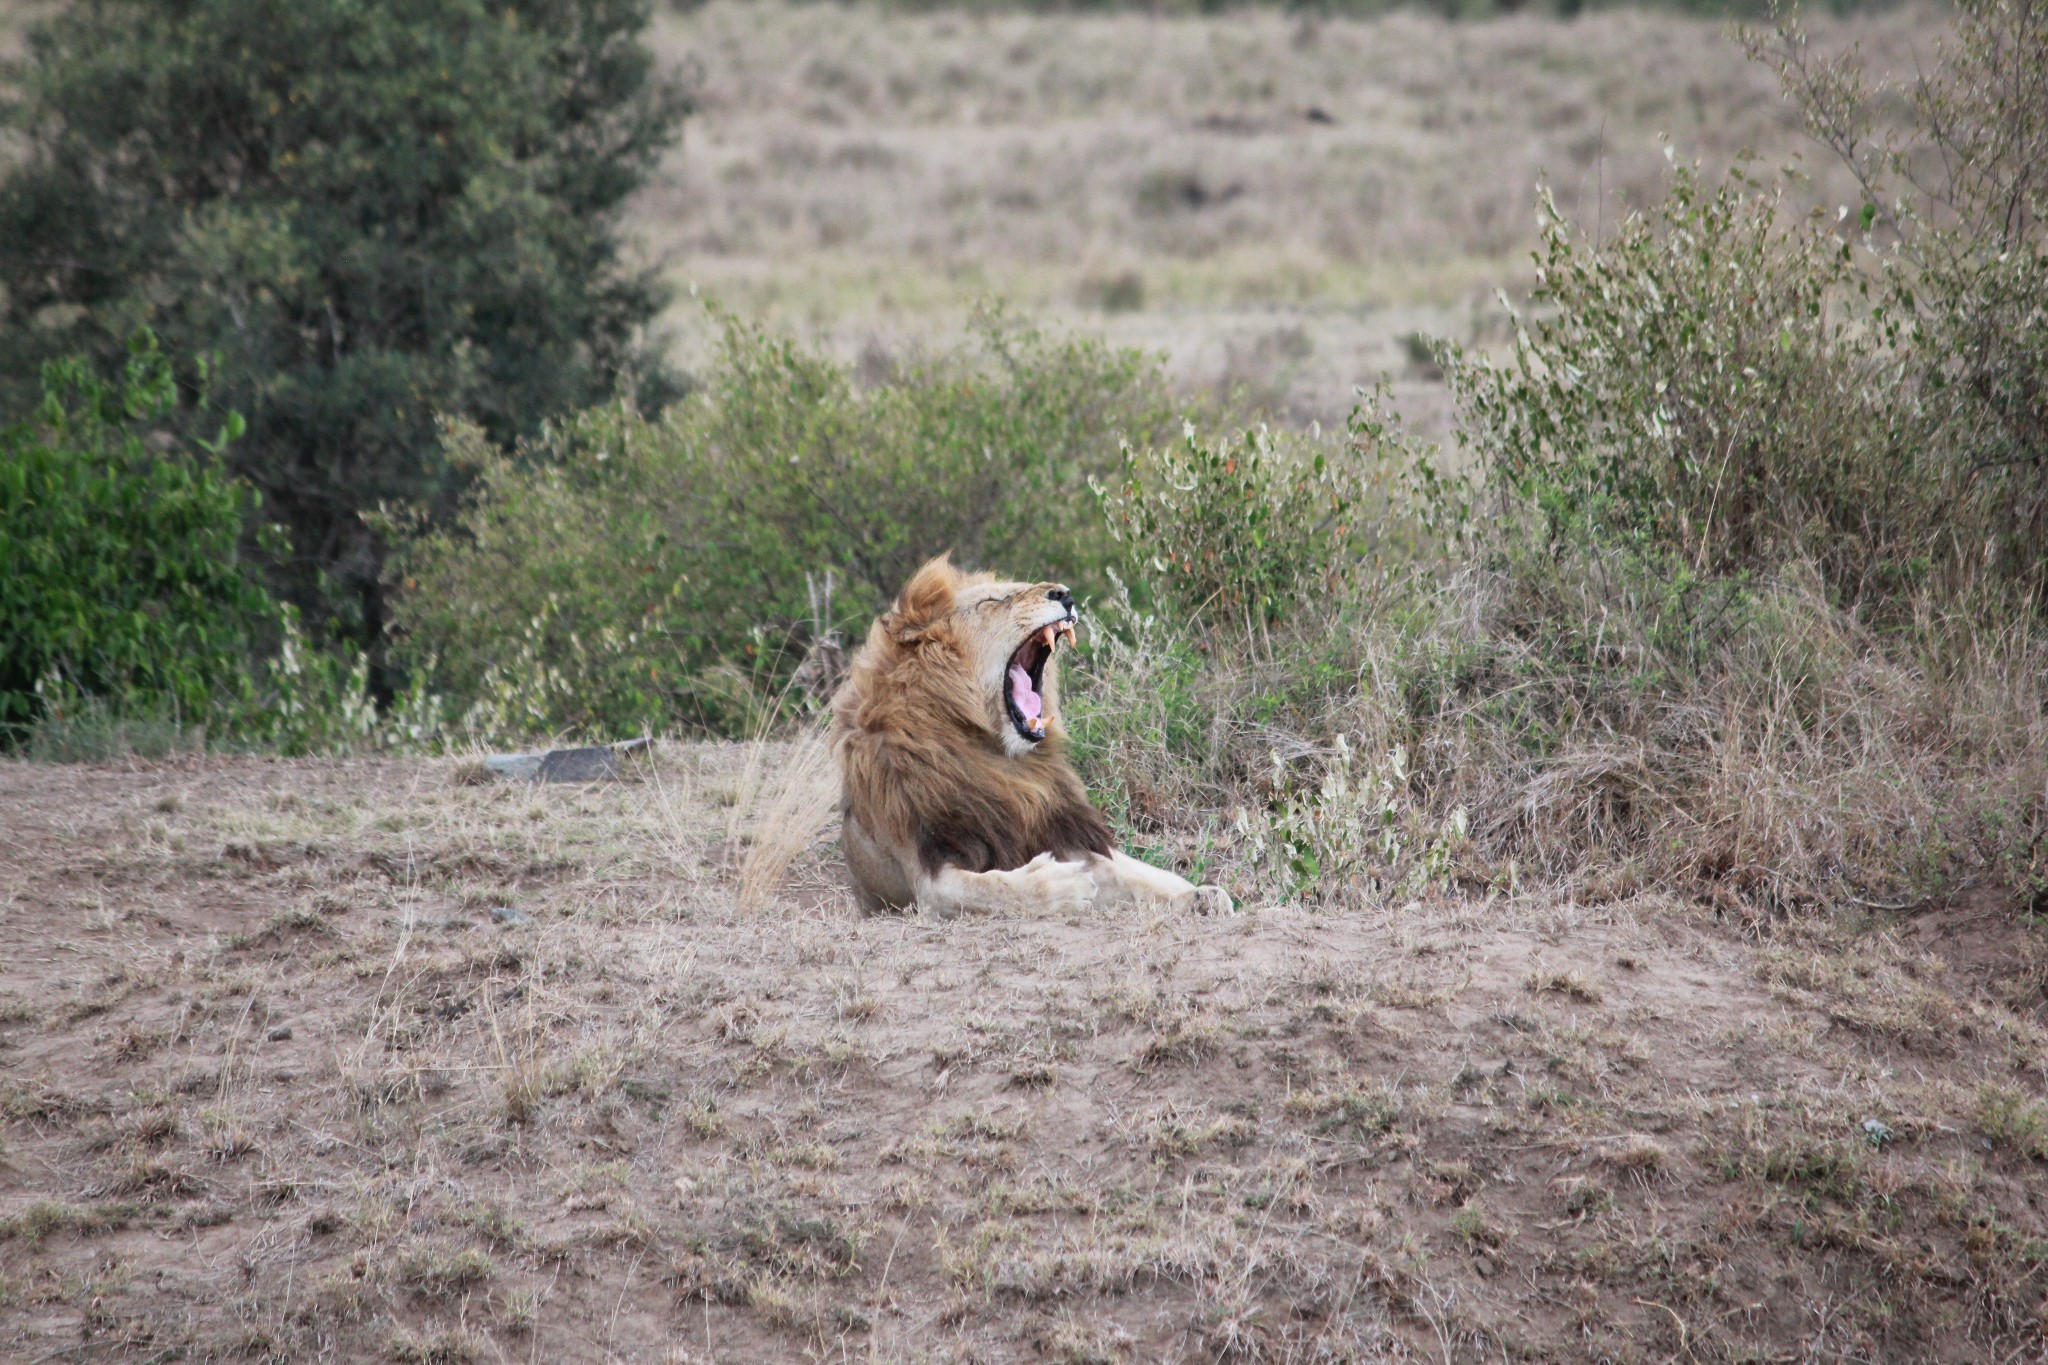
[[1271, 199], [272, 1085], [1274, 201]]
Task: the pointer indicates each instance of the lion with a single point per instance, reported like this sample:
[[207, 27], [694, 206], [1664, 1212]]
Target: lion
[[956, 791]]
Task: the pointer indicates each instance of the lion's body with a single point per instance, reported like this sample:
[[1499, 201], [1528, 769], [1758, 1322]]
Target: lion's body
[[957, 792]]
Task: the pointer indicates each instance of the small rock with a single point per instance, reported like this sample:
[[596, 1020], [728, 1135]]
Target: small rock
[[510, 918], [593, 764], [514, 767], [596, 763], [281, 1033]]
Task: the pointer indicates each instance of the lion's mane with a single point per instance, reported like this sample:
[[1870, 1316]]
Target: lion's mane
[[921, 770]]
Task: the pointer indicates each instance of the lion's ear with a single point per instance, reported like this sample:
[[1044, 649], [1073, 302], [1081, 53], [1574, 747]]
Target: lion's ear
[[926, 598]]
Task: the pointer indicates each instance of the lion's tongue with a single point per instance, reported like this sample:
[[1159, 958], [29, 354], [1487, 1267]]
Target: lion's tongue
[[1028, 703]]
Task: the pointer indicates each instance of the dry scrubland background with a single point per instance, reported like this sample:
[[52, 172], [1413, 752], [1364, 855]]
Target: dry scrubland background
[[372, 1059], [1273, 200]]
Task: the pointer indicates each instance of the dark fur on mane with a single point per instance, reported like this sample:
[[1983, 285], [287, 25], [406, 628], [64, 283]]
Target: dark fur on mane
[[975, 807], [982, 832]]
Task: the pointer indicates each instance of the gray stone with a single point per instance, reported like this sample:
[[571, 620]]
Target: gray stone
[[596, 763], [515, 767], [593, 764]]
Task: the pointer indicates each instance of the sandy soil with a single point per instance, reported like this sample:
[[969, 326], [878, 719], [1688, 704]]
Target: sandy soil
[[275, 1085]]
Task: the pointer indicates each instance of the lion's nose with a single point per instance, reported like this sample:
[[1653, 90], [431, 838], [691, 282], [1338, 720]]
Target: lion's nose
[[1063, 597]]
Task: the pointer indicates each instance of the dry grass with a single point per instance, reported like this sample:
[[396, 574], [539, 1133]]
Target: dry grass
[[1272, 199], [793, 805], [650, 1121], [1811, 764]]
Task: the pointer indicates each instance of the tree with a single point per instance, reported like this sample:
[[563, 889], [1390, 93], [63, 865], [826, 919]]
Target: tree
[[373, 212]]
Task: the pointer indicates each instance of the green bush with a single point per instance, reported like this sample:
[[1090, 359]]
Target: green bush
[[122, 578], [1710, 388], [1724, 389], [371, 211], [627, 571], [1237, 531], [1956, 220]]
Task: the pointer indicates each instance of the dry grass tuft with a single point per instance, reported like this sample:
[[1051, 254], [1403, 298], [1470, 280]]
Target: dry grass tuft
[[1638, 1156], [794, 787], [439, 1273], [455, 1347], [1175, 1132], [1571, 985]]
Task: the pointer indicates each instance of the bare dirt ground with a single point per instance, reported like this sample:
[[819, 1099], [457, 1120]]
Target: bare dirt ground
[[274, 1084]]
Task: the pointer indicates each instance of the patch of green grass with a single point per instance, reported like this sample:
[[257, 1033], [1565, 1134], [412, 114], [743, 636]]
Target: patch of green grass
[[1471, 1226], [45, 1218], [297, 919], [1350, 1112], [797, 1244], [437, 1273], [2013, 1120], [453, 1347]]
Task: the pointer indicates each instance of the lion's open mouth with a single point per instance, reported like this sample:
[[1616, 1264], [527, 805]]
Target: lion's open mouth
[[1023, 691]]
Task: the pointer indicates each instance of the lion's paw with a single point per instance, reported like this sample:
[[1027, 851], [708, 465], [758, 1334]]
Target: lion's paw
[[1212, 900], [1060, 888]]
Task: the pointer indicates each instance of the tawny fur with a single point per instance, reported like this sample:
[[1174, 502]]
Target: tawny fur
[[947, 807]]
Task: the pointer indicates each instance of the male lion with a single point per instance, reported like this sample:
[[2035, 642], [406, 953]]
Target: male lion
[[957, 795]]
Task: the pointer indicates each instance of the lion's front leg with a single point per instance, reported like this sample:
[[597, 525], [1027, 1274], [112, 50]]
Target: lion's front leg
[[1044, 886], [1122, 880]]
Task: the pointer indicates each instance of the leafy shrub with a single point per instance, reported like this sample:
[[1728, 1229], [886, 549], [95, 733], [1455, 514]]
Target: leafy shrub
[[1724, 389], [1698, 390], [132, 621], [122, 578], [1956, 216], [1739, 597], [1226, 667], [627, 571], [1236, 531]]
